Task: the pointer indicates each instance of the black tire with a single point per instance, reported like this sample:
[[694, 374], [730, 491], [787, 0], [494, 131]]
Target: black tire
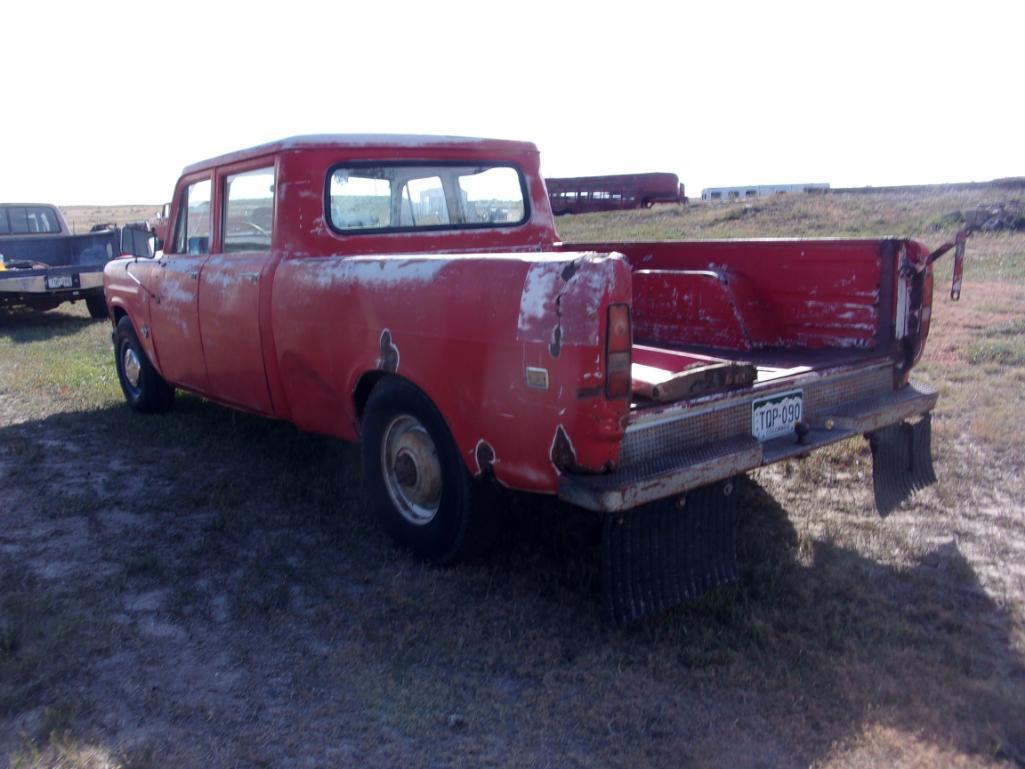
[[461, 525], [97, 307], [145, 390]]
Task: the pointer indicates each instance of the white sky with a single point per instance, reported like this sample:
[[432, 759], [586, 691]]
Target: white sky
[[104, 102]]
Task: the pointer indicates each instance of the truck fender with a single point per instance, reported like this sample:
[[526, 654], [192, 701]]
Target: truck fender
[[477, 461], [119, 310]]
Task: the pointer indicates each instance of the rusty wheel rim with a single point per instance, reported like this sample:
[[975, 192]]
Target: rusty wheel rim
[[411, 469]]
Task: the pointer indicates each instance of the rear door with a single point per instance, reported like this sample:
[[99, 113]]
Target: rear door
[[231, 285], [174, 312]]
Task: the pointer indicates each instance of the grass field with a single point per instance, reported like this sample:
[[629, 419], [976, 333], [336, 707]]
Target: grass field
[[204, 588], [81, 218]]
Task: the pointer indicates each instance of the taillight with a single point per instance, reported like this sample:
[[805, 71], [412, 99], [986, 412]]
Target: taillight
[[618, 344]]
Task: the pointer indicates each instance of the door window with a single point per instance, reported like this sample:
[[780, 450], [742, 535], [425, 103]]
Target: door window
[[249, 211], [192, 235]]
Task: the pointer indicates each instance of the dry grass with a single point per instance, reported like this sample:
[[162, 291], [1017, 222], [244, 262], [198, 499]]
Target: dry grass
[[205, 589], [81, 218], [930, 217]]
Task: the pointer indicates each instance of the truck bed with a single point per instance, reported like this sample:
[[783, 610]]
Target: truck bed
[[93, 249], [748, 352], [43, 270], [668, 372], [729, 316]]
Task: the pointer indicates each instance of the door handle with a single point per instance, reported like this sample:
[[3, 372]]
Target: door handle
[[252, 277], [194, 275]]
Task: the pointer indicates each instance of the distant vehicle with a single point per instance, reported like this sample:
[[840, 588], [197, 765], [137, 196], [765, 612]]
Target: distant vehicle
[[158, 224], [584, 194], [42, 264], [762, 191]]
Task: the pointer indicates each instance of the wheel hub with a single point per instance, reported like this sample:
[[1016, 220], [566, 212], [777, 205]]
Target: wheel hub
[[132, 367], [411, 469]]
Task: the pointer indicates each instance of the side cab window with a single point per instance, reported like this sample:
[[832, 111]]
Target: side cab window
[[248, 206], [192, 230]]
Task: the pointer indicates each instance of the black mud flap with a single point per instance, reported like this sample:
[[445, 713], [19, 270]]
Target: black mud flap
[[662, 554], [901, 462]]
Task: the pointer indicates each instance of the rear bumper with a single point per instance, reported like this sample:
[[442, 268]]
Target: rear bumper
[[12, 283], [27, 288], [679, 470]]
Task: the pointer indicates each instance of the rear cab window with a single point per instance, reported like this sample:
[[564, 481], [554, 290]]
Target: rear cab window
[[28, 220], [389, 197]]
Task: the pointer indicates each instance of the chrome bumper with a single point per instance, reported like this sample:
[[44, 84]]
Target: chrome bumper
[[11, 283], [647, 475]]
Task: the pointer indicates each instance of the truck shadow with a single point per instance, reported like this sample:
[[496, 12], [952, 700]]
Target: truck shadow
[[818, 632], [22, 326], [257, 534]]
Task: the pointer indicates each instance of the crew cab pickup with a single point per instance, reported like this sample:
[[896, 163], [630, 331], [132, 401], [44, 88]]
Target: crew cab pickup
[[412, 293], [42, 264]]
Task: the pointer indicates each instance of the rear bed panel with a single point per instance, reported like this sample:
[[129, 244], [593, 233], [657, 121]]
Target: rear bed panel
[[811, 294]]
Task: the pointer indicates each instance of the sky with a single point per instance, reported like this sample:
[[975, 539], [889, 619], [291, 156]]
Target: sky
[[105, 102]]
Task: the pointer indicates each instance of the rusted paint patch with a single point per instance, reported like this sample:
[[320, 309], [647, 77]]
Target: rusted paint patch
[[556, 344], [562, 453], [388, 272], [570, 270], [560, 300], [589, 392], [485, 455], [389, 360]]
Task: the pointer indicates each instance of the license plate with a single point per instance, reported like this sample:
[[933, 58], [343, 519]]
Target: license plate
[[776, 414], [60, 281]]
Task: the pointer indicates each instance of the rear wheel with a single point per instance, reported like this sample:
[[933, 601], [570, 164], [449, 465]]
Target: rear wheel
[[144, 389], [415, 479], [97, 307]]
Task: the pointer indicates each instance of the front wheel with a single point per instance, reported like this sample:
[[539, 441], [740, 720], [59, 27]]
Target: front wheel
[[145, 390], [415, 480]]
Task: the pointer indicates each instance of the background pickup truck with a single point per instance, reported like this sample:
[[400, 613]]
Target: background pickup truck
[[412, 293], [44, 264]]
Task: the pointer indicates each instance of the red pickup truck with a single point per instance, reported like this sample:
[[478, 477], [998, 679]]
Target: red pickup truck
[[412, 293]]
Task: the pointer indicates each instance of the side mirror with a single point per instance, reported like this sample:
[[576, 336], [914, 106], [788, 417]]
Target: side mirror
[[138, 239]]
